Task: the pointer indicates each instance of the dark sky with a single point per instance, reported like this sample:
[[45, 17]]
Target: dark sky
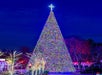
[[21, 21]]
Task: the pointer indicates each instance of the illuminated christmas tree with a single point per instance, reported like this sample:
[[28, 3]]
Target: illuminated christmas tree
[[52, 48]]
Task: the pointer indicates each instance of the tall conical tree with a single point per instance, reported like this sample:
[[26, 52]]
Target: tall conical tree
[[52, 48]]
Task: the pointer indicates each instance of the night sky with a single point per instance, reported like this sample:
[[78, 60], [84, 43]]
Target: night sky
[[21, 21]]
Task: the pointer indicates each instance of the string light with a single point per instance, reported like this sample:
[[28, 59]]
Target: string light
[[52, 48]]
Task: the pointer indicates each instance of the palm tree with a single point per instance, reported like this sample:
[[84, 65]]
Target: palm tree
[[11, 61]]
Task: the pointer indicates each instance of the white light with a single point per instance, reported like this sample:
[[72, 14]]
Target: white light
[[2, 59], [51, 6]]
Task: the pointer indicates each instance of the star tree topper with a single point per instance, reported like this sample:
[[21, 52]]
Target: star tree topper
[[51, 6]]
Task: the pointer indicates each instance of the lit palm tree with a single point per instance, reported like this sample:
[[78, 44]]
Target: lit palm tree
[[37, 65], [11, 61]]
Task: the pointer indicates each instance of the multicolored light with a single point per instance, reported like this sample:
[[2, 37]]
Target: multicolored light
[[52, 48]]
